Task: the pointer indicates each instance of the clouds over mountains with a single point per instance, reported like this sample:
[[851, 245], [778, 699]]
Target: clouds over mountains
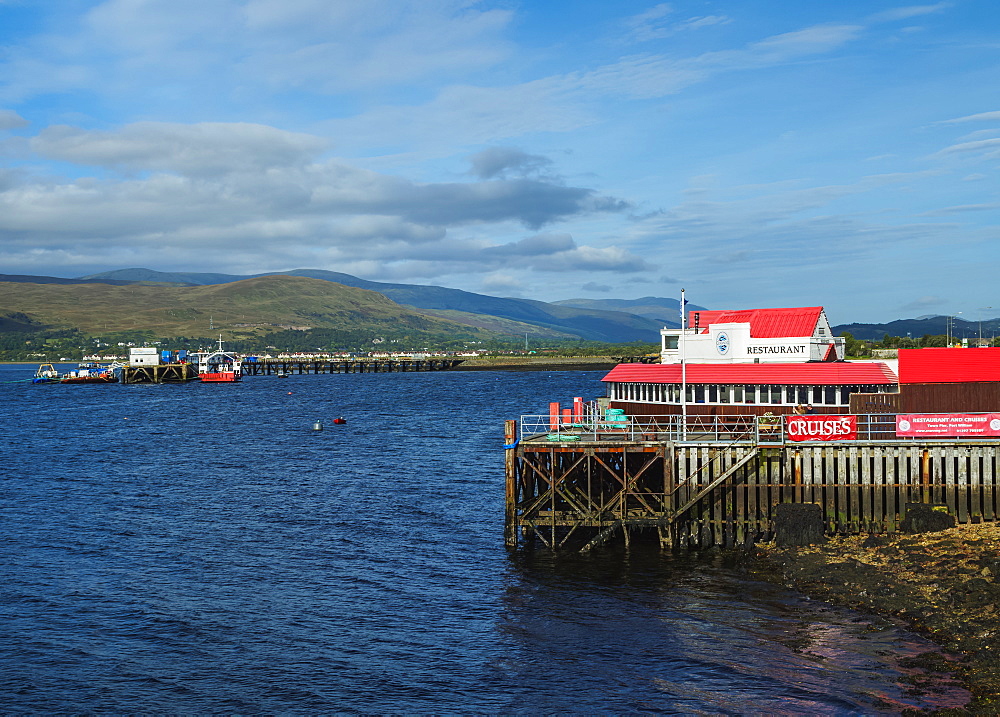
[[160, 187], [544, 148]]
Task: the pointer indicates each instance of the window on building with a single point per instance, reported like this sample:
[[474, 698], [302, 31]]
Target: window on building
[[750, 392], [724, 392], [699, 394], [802, 394], [670, 342], [776, 394], [817, 395], [831, 396], [737, 394]]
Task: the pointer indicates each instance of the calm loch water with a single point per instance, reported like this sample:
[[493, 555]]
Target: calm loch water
[[199, 548]]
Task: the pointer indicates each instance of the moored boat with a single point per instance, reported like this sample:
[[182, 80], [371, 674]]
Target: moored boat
[[88, 372], [46, 373], [220, 366]]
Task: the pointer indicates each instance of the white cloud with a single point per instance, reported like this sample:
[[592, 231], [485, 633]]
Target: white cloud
[[9, 119], [207, 148], [562, 103], [980, 117], [924, 303], [651, 24], [986, 147], [502, 284], [164, 187], [906, 12], [658, 22], [502, 162]]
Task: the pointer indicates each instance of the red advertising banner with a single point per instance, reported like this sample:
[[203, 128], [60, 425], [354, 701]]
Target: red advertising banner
[[948, 424], [821, 428]]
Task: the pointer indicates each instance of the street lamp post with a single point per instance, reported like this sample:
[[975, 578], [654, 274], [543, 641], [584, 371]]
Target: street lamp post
[[985, 308], [950, 328]]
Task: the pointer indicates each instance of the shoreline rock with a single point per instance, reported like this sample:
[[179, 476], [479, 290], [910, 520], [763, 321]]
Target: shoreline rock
[[945, 585]]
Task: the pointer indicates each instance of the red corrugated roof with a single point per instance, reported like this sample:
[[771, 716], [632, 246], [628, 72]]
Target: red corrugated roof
[[764, 323], [815, 374], [949, 365]]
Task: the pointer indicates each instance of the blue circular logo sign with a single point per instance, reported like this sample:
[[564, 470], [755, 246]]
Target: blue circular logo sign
[[722, 343]]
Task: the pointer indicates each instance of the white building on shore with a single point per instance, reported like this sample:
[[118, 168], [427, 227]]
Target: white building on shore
[[753, 336]]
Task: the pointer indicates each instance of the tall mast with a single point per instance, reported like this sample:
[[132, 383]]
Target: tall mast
[[684, 406]]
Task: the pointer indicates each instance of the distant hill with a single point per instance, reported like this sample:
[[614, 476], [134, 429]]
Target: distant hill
[[923, 326], [594, 324], [662, 310], [250, 306], [27, 279], [610, 320]]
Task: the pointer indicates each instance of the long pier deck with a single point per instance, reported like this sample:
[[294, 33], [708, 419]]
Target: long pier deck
[[576, 489], [267, 367]]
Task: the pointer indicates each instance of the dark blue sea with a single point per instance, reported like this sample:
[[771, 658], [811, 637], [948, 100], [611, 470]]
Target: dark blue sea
[[200, 549]]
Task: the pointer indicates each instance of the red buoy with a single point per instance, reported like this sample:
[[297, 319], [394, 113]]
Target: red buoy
[[339, 420]]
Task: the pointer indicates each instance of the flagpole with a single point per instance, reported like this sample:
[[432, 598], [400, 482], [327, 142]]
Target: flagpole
[[684, 420]]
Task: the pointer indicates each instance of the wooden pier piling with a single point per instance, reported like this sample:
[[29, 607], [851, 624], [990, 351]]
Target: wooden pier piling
[[162, 373], [579, 494]]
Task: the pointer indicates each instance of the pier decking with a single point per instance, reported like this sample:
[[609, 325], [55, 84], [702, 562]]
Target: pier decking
[[576, 487], [266, 367]]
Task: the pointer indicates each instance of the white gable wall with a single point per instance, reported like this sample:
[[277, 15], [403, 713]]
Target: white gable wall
[[732, 343]]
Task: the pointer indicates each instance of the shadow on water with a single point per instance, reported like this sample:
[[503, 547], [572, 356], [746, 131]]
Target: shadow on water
[[645, 631]]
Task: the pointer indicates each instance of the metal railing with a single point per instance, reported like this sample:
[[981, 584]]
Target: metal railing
[[592, 425]]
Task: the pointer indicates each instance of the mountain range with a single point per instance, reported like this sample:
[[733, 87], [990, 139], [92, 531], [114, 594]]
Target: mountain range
[[195, 302], [581, 319]]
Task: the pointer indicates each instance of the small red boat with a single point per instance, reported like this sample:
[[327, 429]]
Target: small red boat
[[220, 366]]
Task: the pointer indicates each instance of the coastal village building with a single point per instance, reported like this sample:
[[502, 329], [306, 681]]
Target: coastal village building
[[753, 335], [748, 362]]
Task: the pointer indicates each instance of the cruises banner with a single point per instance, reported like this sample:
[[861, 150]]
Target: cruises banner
[[948, 424], [821, 428]]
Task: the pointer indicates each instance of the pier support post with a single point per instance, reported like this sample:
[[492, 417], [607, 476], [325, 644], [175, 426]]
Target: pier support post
[[510, 467], [925, 476]]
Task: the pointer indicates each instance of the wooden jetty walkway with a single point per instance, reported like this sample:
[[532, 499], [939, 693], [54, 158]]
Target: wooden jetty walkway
[[266, 367], [579, 487]]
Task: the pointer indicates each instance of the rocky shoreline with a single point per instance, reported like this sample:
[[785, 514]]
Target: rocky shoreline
[[945, 585]]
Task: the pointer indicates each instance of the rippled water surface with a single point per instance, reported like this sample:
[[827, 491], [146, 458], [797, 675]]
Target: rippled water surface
[[199, 548]]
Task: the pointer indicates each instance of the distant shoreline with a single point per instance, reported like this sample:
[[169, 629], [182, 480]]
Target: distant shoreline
[[501, 363], [546, 363]]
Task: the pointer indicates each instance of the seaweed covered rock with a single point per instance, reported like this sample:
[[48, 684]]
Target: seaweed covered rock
[[798, 524], [926, 518]]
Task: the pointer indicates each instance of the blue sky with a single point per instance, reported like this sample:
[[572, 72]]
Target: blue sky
[[757, 153]]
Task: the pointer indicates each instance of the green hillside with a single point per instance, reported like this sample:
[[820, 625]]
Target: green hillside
[[251, 306], [598, 323]]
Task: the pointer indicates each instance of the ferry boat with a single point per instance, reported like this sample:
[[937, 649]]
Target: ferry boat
[[88, 372], [220, 366]]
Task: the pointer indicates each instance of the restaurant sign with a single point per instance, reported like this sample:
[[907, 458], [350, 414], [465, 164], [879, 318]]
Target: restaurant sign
[[943, 425], [821, 428]]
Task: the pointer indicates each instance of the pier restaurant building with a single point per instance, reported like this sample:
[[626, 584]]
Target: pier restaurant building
[[748, 362]]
